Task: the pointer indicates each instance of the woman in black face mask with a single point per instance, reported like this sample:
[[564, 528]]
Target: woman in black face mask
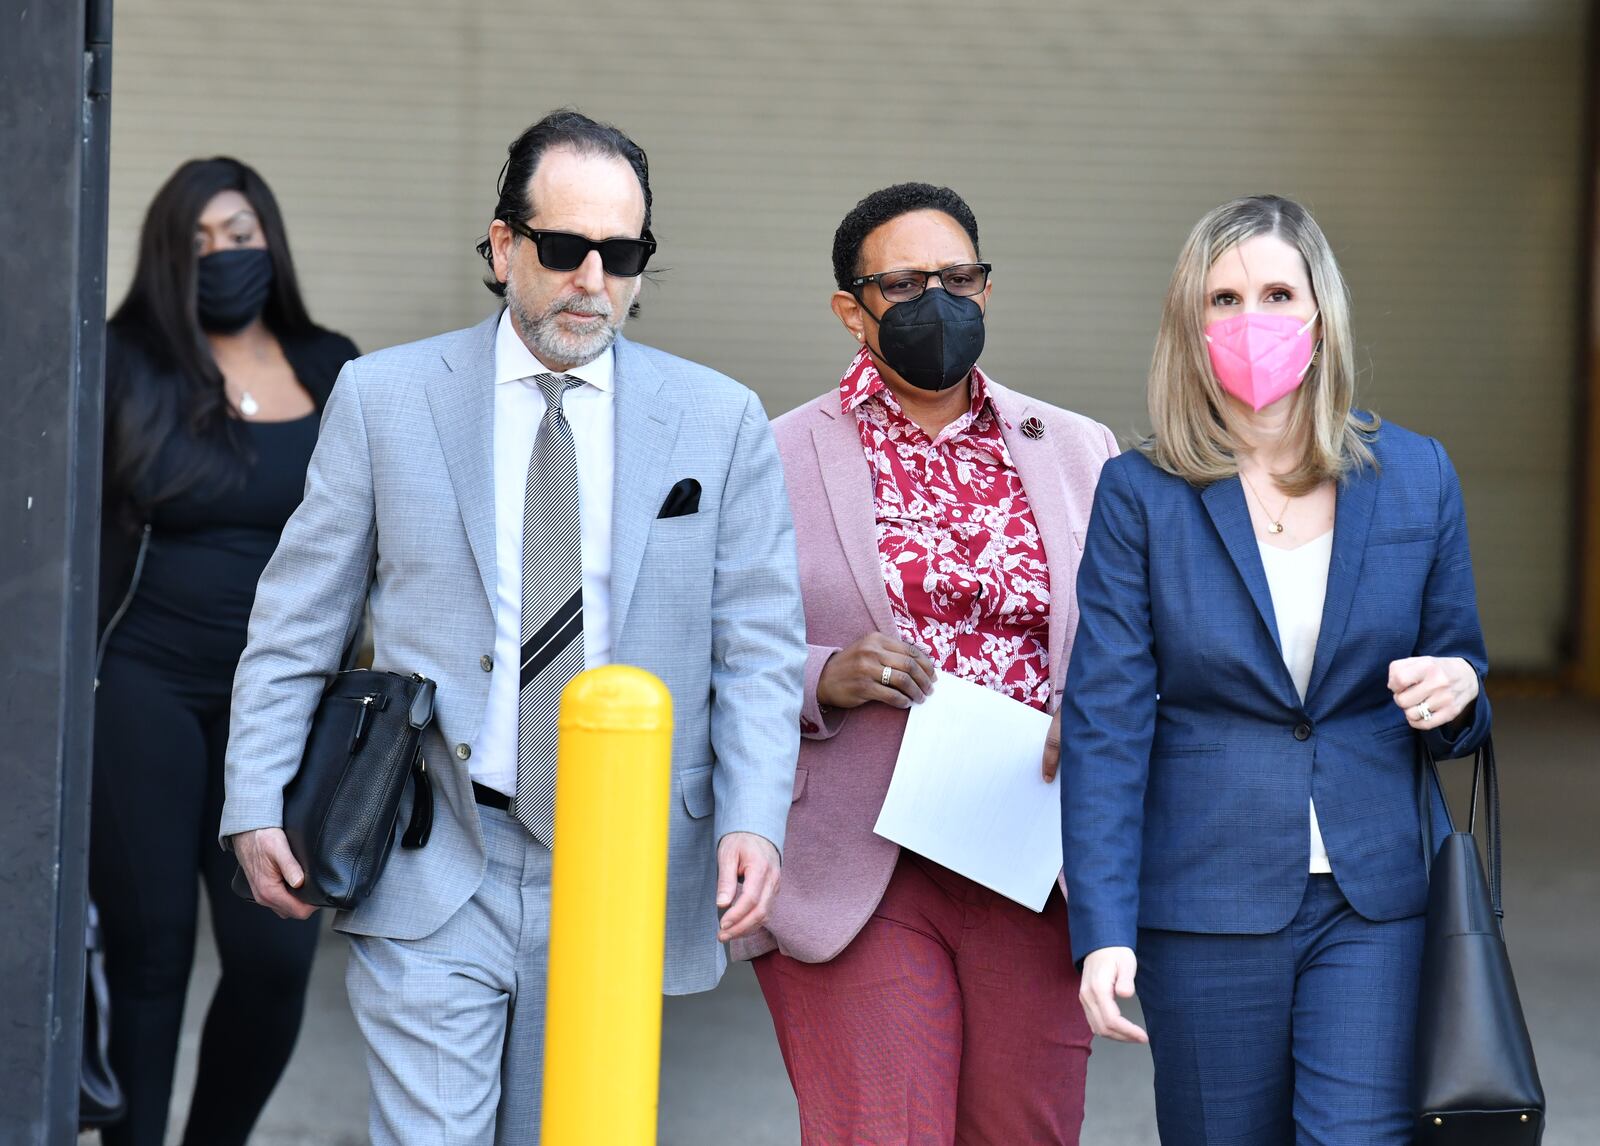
[[214, 378], [938, 518]]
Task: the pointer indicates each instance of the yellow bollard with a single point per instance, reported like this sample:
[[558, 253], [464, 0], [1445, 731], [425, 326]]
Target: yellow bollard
[[608, 904]]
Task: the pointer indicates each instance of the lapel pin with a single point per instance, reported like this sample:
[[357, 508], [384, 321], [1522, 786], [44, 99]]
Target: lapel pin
[[1033, 428]]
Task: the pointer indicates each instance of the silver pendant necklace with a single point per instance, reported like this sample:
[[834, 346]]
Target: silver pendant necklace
[[248, 406]]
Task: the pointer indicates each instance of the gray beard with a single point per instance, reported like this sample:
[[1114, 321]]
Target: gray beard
[[554, 346]]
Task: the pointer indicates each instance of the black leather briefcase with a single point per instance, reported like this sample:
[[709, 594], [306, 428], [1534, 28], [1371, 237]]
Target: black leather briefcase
[[341, 811], [1476, 1082]]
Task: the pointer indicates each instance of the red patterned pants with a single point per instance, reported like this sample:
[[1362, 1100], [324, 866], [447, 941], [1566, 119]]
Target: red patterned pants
[[952, 1018]]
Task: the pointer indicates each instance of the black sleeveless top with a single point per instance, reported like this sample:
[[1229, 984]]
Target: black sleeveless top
[[207, 551], [208, 546]]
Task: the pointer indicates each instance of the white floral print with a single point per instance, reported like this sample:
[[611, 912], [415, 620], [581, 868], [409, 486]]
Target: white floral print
[[961, 555]]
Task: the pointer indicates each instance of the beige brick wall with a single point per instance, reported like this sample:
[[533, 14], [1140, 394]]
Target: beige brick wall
[[1438, 141]]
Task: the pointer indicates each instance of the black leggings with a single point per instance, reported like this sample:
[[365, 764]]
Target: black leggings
[[159, 741]]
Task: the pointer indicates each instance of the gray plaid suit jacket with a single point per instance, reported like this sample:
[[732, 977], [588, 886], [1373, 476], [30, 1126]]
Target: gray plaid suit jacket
[[399, 515]]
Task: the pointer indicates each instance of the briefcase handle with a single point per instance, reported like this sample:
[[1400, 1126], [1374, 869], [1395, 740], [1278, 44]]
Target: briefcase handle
[[1484, 773]]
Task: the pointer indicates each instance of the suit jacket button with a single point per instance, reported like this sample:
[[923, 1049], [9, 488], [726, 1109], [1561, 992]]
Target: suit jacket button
[[1302, 732], [486, 662], [463, 751]]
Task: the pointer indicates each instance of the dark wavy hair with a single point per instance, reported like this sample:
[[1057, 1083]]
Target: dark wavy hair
[[159, 323], [565, 127], [885, 206]]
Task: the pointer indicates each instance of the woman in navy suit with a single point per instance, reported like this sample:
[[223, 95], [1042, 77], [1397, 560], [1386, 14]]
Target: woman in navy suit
[[1276, 602]]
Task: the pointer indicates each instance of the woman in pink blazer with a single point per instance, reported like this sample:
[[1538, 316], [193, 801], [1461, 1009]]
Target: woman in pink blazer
[[939, 519]]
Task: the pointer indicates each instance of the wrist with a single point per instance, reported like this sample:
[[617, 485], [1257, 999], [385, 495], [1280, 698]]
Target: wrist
[[740, 836], [825, 695]]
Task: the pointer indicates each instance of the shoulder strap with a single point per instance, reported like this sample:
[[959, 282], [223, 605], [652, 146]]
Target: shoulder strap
[[1428, 783], [1485, 774], [1491, 791]]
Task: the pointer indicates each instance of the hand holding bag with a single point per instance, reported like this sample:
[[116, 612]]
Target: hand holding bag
[[341, 810], [1475, 1081]]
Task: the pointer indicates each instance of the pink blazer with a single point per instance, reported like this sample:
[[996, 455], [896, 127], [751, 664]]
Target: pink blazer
[[834, 868]]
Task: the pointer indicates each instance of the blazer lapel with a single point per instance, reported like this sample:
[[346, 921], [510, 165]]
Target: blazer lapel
[[1224, 501], [1352, 521], [646, 428], [1039, 465], [848, 482], [462, 402]]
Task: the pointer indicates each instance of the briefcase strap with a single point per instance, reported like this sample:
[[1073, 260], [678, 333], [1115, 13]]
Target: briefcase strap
[[421, 825], [1484, 773]]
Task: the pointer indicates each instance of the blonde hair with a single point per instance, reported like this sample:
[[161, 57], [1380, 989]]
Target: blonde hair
[[1196, 430]]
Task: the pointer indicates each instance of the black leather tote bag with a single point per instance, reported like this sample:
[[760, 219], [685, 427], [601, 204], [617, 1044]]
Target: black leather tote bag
[[341, 810], [1475, 1080]]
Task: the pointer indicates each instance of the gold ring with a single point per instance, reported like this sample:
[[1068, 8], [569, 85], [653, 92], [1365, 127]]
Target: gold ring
[[887, 673]]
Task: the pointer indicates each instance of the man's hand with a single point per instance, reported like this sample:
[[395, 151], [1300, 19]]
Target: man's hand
[[747, 879], [855, 675], [269, 864], [1052, 748], [1108, 975], [1433, 691]]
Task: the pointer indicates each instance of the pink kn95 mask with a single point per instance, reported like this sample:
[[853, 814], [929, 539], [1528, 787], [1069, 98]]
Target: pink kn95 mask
[[1261, 357]]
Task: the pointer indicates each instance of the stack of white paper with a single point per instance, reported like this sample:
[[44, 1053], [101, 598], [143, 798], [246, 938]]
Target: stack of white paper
[[967, 792]]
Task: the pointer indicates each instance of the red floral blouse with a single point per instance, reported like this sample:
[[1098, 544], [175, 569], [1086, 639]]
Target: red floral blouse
[[961, 556]]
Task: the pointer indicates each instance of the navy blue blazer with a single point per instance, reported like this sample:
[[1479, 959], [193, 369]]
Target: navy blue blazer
[[1187, 756]]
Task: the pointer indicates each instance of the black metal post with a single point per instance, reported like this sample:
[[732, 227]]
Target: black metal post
[[55, 68]]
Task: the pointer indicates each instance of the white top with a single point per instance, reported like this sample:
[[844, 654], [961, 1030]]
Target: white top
[[518, 406], [1298, 579]]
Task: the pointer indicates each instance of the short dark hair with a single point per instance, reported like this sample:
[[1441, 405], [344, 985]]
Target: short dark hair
[[565, 127], [885, 206]]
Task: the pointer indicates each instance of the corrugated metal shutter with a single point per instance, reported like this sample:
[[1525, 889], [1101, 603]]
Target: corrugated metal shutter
[[1438, 141]]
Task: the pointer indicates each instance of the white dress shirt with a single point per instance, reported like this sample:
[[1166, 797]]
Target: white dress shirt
[[518, 407], [1298, 579]]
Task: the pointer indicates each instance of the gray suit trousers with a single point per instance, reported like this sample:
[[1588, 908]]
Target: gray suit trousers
[[454, 1022]]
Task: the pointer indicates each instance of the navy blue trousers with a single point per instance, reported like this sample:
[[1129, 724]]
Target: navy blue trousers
[[1302, 1036]]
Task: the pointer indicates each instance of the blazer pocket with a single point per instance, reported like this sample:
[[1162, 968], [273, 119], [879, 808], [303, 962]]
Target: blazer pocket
[[1396, 732], [698, 799], [679, 526], [1184, 750], [1401, 535]]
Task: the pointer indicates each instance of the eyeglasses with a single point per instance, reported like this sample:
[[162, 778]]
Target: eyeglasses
[[962, 280], [564, 251]]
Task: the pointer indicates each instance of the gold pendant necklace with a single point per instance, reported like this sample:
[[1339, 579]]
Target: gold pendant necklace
[[1274, 525]]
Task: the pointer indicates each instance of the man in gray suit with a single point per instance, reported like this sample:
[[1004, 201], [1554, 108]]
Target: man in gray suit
[[514, 502]]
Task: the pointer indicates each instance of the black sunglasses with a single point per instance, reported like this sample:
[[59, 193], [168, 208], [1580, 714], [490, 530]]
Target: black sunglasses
[[961, 280], [564, 251]]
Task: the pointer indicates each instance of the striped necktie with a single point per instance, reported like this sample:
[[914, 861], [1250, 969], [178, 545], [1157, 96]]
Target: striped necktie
[[552, 607]]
